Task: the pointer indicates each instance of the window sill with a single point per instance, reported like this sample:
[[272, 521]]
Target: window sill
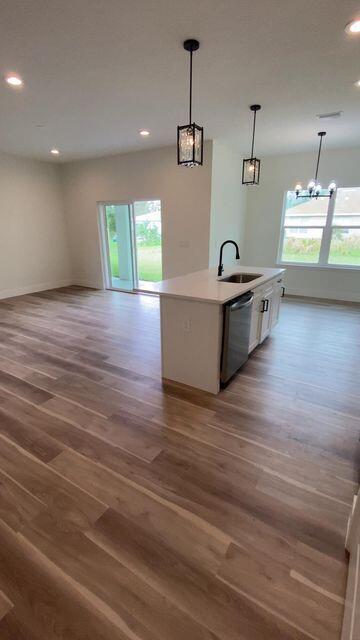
[[326, 267]]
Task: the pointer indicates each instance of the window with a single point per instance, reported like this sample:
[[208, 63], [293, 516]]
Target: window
[[324, 232]]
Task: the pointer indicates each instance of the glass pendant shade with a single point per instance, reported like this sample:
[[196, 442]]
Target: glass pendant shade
[[251, 171], [190, 145]]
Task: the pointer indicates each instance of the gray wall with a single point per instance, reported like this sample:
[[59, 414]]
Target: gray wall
[[34, 251]]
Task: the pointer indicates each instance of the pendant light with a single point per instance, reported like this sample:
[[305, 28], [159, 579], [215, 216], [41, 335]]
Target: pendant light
[[190, 137], [251, 166], [314, 188]]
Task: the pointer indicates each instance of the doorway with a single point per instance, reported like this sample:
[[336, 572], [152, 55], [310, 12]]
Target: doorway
[[131, 242]]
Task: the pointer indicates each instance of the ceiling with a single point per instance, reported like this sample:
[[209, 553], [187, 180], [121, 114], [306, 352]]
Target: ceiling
[[97, 71]]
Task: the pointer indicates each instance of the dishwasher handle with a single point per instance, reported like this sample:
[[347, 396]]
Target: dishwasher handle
[[240, 304]]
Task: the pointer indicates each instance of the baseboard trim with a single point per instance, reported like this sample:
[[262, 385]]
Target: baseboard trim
[[324, 295], [34, 288], [86, 283]]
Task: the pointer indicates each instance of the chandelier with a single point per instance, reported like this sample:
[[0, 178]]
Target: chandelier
[[314, 188]]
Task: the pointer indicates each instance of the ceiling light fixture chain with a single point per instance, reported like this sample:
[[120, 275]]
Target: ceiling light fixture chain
[[255, 110], [190, 91], [321, 134]]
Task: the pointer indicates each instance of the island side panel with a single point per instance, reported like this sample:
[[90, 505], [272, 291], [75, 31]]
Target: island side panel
[[191, 334]]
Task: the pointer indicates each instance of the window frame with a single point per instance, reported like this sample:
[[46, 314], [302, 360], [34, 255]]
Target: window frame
[[327, 229]]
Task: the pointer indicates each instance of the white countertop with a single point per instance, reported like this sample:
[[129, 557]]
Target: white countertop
[[205, 286]]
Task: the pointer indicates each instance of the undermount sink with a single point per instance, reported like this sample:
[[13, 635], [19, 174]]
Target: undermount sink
[[241, 277]]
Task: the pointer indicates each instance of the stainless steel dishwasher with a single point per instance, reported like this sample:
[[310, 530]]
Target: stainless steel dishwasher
[[236, 333]]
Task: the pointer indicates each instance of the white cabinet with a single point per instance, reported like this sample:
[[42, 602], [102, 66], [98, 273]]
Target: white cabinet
[[351, 623], [255, 319], [265, 311], [278, 289]]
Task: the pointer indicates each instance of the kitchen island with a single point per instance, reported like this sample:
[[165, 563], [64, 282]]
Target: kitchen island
[[191, 311]]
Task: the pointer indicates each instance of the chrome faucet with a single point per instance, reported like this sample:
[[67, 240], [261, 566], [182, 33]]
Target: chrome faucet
[[221, 267]]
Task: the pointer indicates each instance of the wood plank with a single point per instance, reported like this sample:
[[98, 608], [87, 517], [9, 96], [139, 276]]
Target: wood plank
[[5, 605], [211, 603], [147, 613], [22, 389], [70, 504], [49, 602], [17, 504], [193, 482], [266, 458], [266, 581], [20, 423], [190, 536], [125, 432]]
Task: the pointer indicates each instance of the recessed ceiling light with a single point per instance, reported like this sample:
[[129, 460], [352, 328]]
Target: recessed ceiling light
[[144, 132], [353, 26], [14, 81], [55, 152], [357, 83]]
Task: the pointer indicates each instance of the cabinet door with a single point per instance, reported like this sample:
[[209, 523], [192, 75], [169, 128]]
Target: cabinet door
[[255, 321], [265, 313], [351, 623], [276, 298]]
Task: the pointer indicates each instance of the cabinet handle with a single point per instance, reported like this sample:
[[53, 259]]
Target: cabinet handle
[[282, 292], [265, 305]]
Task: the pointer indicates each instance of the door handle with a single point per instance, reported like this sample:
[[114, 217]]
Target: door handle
[[241, 305]]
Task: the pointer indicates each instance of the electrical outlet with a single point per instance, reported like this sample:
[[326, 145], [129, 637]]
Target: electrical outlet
[[187, 325]]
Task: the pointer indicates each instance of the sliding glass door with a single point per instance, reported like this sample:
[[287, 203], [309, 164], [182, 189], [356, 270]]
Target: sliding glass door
[[131, 243], [119, 246]]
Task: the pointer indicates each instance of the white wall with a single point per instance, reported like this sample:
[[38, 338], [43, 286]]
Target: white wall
[[228, 204], [263, 218], [185, 198], [33, 244]]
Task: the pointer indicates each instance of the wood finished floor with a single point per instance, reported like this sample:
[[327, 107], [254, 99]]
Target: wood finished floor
[[135, 511]]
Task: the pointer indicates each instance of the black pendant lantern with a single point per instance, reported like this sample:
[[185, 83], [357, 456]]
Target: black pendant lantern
[[190, 137], [251, 166], [314, 188]]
